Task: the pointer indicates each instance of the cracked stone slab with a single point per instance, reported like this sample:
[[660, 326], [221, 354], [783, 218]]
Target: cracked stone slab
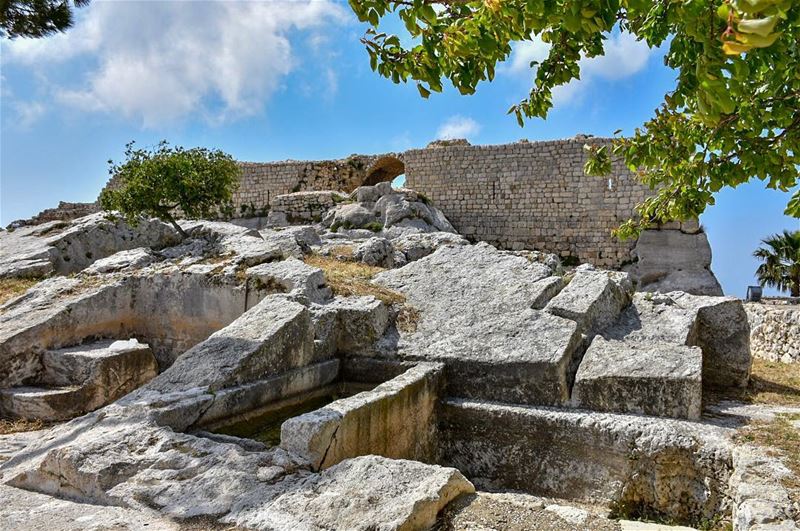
[[593, 299], [396, 419], [273, 336]]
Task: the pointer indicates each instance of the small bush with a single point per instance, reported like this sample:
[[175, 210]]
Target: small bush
[[159, 181]]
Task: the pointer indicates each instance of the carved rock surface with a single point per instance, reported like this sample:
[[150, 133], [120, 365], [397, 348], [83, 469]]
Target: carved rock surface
[[476, 317]]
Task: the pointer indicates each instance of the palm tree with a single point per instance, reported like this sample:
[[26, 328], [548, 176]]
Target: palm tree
[[781, 257]]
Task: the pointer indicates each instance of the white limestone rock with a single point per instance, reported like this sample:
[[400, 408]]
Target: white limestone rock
[[361, 494], [348, 325], [419, 245], [375, 252], [476, 317], [72, 246], [132, 259], [80, 379], [674, 260], [292, 276], [723, 332], [593, 299], [273, 336]]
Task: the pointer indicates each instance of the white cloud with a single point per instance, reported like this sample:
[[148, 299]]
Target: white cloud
[[524, 53], [624, 56], [457, 127], [163, 61], [28, 112]]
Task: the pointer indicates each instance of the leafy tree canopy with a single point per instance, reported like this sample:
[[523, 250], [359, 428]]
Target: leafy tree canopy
[[780, 255], [156, 182], [36, 18], [733, 115]]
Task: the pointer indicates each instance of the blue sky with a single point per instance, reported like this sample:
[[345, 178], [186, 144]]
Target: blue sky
[[279, 80]]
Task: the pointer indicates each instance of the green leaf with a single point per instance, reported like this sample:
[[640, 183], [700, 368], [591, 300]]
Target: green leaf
[[423, 91]]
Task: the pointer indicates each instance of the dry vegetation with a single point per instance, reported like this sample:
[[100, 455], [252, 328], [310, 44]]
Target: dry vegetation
[[19, 425], [347, 278], [782, 437], [12, 287], [771, 382], [407, 319], [776, 383]]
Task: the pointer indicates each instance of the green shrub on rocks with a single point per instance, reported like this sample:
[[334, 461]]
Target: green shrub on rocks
[[157, 182]]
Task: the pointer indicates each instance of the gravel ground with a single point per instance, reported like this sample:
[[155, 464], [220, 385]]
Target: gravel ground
[[487, 511]]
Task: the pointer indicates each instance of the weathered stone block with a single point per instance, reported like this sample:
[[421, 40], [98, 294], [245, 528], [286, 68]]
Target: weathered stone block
[[646, 377], [593, 299]]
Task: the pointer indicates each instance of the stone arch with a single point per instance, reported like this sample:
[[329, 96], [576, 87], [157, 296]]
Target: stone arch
[[385, 168]]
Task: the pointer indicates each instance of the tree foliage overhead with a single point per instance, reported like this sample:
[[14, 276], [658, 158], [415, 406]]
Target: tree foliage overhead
[[732, 116], [36, 18], [156, 182], [780, 255]]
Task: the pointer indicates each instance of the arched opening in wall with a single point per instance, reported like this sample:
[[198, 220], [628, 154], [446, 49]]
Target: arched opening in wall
[[399, 181], [385, 169]]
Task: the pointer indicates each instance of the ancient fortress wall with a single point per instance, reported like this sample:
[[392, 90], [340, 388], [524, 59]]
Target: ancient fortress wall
[[529, 195], [263, 181]]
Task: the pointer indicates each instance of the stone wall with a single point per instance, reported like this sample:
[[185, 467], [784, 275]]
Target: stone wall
[[261, 182], [531, 195], [304, 207], [775, 330], [526, 195]]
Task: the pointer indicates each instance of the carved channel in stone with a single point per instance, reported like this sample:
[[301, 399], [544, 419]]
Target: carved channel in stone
[[63, 358]]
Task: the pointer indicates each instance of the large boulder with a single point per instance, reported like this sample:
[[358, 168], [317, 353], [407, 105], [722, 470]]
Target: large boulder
[[67, 247], [419, 245], [272, 337], [718, 325], [80, 379], [291, 276], [593, 299], [724, 335], [375, 252], [674, 260]]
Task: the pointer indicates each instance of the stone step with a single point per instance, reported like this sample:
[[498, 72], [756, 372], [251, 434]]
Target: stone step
[[645, 377], [79, 364], [76, 380], [45, 403]]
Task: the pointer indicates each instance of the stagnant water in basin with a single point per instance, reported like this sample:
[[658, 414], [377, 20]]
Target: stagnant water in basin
[[265, 425]]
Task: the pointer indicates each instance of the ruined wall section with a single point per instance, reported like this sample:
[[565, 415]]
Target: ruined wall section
[[531, 195], [261, 182]]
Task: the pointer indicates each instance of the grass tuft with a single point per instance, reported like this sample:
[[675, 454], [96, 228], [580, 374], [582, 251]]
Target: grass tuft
[[13, 287], [347, 279], [19, 425]]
